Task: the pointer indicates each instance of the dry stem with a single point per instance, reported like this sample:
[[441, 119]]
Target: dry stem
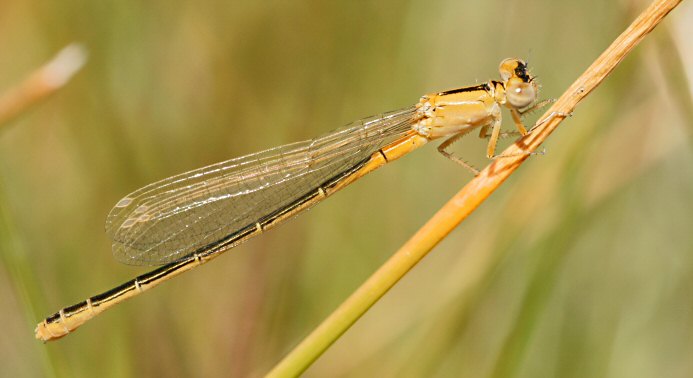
[[468, 199], [42, 82]]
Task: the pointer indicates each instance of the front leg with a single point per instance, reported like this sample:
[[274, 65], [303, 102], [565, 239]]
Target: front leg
[[495, 131], [518, 121], [536, 106], [518, 114]]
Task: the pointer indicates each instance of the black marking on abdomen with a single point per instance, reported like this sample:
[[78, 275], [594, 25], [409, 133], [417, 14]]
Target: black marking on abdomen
[[267, 220]]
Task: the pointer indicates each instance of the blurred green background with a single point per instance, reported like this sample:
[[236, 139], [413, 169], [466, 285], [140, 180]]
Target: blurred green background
[[580, 265]]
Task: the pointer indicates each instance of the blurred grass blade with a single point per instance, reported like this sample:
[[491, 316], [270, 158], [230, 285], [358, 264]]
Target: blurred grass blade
[[43, 82]]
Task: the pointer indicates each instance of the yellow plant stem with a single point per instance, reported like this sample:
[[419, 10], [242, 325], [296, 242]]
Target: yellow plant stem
[[467, 200]]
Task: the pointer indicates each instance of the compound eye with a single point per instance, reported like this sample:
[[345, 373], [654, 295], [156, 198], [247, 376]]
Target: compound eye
[[520, 94], [507, 68]]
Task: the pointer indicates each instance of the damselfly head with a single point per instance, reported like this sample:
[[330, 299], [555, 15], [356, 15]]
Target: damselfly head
[[520, 88]]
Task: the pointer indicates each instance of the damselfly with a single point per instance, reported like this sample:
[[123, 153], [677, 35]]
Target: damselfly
[[185, 220]]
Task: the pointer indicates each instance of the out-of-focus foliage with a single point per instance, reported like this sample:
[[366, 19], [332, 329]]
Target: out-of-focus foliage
[[581, 265]]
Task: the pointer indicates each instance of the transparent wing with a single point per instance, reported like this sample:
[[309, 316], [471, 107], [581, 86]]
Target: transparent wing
[[169, 220]]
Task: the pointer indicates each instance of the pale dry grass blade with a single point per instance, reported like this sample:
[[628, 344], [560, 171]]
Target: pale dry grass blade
[[43, 82]]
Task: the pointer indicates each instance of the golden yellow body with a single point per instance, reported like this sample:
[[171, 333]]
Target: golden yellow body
[[450, 114]]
